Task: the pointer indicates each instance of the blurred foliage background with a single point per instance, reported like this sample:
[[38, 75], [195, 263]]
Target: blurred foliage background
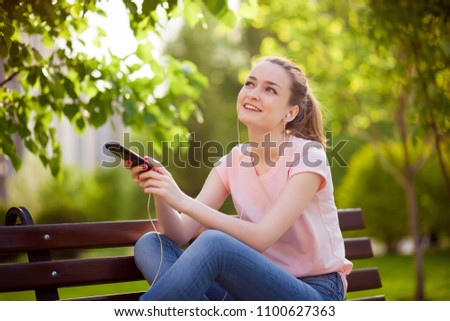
[[379, 68]]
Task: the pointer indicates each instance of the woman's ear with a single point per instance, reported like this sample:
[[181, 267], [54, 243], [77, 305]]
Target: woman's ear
[[293, 111]]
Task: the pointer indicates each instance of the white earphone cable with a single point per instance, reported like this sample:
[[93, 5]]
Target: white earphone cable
[[160, 240]]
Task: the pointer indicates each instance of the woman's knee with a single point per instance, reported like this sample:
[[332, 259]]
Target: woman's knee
[[214, 239], [147, 244], [214, 235]]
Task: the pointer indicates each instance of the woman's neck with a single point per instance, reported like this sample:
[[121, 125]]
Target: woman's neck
[[267, 146]]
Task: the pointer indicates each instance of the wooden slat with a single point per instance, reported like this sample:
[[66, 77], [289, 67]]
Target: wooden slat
[[363, 279], [27, 276], [104, 234], [72, 235], [358, 248], [351, 219]]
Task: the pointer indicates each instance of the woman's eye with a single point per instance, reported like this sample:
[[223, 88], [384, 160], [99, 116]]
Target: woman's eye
[[271, 90], [248, 83]]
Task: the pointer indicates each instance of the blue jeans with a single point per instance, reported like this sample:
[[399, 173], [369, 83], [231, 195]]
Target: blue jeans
[[217, 266]]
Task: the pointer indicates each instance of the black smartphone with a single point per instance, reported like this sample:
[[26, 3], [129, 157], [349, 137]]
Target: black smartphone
[[127, 155]]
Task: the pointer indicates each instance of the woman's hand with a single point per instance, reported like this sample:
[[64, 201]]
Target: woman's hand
[[158, 181]]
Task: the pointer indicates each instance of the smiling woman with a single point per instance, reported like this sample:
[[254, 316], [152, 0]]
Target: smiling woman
[[286, 243]]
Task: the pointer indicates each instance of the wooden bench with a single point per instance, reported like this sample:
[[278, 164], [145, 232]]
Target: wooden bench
[[45, 275]]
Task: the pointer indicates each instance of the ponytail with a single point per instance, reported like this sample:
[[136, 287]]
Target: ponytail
[[308, 123]]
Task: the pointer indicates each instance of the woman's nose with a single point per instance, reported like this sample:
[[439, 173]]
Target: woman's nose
[[254, 93]]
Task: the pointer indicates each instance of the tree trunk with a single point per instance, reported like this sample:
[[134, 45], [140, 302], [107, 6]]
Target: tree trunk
[[415, 231], [408, 185]]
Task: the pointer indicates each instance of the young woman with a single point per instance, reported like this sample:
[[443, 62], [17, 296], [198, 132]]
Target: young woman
[[285, 243]]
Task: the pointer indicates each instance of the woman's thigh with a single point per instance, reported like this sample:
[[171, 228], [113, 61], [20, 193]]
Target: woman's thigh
[[246, 273]]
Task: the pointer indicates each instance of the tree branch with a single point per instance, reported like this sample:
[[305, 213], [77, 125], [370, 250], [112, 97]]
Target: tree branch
[[427, 150], [14, 74]]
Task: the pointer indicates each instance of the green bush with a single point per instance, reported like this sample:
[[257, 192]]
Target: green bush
[[369, 186]]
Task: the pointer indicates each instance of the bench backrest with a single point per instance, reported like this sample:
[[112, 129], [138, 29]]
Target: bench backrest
[[45, 276], [359, 248]]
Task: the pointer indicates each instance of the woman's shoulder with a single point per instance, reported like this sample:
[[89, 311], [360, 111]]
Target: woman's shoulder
[[307, 151], [299, 141], [304, 145]]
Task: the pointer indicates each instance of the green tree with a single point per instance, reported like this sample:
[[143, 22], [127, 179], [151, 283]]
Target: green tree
[[383, 199], [88, 91], [412, 33]]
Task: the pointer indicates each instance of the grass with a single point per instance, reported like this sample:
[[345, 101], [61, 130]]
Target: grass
[[397, 275]]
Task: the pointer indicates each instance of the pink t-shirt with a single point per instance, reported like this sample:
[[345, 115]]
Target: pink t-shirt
[[314, 244]]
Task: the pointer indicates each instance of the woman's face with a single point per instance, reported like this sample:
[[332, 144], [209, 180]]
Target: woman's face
[[263, 101]]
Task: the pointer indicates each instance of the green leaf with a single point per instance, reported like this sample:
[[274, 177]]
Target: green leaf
[[23, 131], [40, 134], [54, 164], [16, 161], [130, 110], [48, 41], [36, 54], [98, 116], [144, 51], [101, 33], [131, 6], [43, 158], [57, 89], [192, 13], [216, 7], [31, 145], [229, 19], [80, 124], [149, 118], [248, 9], [185, 109], [172, 4], [149, 5], [97, 43], [8, 147], [70, 88], [43, 100], [5, 38], [81, 25], [43, 79], [32, 76], [5, 44]]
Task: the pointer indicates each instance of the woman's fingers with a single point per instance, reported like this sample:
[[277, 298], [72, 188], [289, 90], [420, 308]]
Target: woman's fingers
[[135, 172], [150, 180]]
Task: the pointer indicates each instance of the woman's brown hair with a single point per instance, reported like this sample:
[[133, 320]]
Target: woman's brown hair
[[308, 123]]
